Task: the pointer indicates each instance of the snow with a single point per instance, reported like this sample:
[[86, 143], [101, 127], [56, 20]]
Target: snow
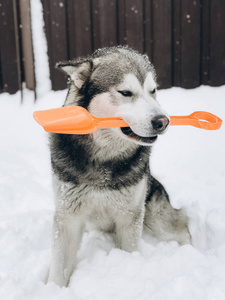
[[42, 73], [190, 162]]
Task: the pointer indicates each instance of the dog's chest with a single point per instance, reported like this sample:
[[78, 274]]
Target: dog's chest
[[99, 178], [100, 206]]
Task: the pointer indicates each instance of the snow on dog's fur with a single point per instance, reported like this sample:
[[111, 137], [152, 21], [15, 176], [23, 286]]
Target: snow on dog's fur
[[102, 180]]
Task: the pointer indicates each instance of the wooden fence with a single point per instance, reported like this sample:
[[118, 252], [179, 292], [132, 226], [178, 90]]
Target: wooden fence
[[16, 55], [184, 39]]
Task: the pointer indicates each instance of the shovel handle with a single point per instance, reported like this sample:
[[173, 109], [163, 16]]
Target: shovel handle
[[200, 119]]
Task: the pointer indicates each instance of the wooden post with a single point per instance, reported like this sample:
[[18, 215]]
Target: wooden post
[[217, 43], [9, 51], [27, 45]]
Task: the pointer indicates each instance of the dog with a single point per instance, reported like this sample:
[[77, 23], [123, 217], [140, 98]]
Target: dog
[[102, 180]]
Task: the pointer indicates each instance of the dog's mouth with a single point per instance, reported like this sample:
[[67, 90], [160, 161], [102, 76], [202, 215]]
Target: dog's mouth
[[146, 140]]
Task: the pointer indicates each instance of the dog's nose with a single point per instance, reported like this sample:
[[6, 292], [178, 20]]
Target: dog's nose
[[160, 123]]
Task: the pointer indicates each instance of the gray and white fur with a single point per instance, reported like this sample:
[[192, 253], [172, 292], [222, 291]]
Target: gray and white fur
[[102, 180]]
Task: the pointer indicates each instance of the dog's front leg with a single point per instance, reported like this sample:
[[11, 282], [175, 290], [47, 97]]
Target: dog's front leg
[[67, 234], [129, 229]]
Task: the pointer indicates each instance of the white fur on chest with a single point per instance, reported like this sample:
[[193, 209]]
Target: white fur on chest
[[99, 209]]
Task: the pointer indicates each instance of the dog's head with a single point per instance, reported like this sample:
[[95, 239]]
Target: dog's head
[[118, 82]]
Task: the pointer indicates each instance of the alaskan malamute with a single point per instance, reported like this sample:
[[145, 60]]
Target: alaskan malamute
[[102, 180]]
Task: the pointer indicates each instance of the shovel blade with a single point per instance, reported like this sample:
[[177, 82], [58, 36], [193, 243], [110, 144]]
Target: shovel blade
[[68, 120]]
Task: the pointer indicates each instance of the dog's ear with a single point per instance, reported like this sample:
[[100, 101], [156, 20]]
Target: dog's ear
[[78, 71]]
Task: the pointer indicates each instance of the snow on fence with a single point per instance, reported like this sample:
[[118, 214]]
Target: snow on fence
[[184, 39]]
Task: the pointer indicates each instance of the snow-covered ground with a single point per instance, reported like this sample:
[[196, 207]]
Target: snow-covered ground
[[190, 162]]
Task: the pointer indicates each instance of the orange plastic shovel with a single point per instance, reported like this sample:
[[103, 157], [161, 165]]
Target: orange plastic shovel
[[77, 120]]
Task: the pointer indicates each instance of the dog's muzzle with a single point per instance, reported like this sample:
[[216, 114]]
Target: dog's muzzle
[[158, 125], [141, 139]]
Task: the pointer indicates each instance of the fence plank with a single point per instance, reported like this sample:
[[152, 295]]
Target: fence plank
[[190, 51], [148, 28], [55, 18], [79, 28], [11, 78], [104, 14], [176, 40], [1, 80], [122, 40], [18, 45], [131, 23], [205, 43], [27, 48], [162, 42], [59, 40], [217, 49]]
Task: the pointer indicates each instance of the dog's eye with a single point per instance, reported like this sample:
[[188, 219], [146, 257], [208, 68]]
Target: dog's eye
[[153, 92], [126, 93]]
